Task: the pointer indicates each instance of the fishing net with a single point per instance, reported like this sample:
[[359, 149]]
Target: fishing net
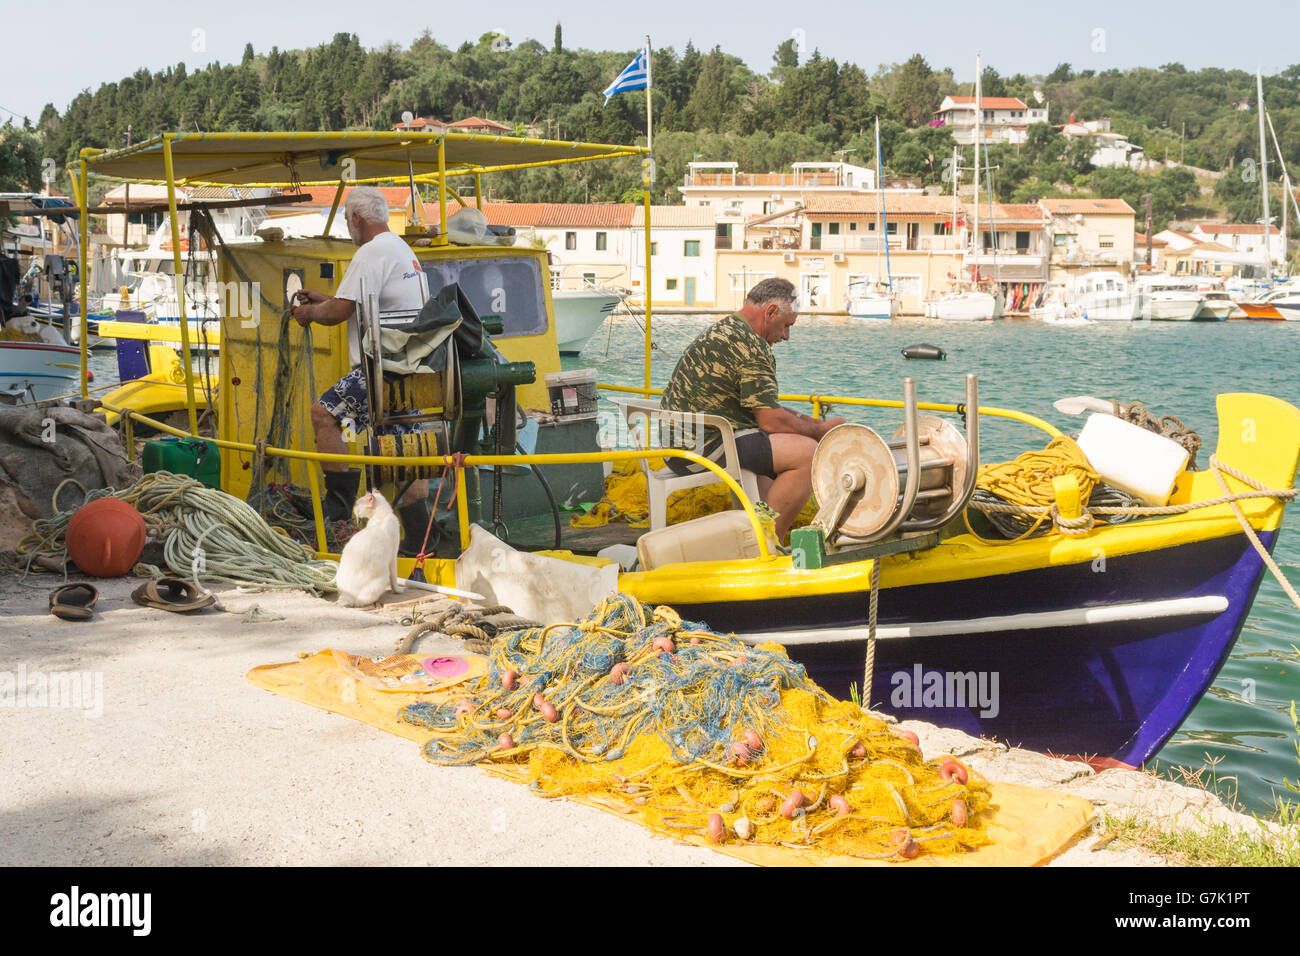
[[625, 500], [700, 732]]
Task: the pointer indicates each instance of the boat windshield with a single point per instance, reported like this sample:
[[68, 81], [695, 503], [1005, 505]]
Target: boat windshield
[[508, 286]]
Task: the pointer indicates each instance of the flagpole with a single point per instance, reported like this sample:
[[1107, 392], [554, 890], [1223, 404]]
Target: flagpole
[[649, 141], [646, 182]]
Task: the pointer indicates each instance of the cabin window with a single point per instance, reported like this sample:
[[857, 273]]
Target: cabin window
[[508, 286], [602, 241], [570, 240]]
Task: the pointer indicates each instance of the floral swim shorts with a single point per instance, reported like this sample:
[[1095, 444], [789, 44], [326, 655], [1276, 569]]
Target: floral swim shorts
[[347, 401]]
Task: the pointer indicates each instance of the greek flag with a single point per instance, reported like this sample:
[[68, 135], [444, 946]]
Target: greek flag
[[635, 76]]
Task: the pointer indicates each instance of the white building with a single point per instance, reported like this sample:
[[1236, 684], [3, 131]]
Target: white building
[[1244, 238], [682, 250], [1006, 119], [762, 210], [599, 245]]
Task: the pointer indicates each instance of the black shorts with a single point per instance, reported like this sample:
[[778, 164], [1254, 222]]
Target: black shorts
[[753, 446]]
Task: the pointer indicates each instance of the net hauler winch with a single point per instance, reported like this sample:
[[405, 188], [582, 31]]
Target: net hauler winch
[[878, 497]]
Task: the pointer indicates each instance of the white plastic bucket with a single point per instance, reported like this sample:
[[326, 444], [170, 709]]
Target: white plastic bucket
[[1130, 457]]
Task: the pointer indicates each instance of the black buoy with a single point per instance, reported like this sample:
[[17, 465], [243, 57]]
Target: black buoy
[[923, 351]]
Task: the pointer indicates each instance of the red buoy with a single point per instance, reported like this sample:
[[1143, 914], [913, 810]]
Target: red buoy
[[106, 537]]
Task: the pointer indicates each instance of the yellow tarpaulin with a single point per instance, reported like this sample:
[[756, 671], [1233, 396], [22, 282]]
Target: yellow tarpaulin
[[1026, 825]]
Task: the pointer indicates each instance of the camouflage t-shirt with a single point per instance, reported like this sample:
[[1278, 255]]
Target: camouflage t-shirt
[[727, 371]]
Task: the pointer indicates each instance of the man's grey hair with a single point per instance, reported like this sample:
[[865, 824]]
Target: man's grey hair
[[368, 204], [772, 290]]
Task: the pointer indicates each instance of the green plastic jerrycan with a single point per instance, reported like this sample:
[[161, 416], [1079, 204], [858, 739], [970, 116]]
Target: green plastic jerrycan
[[184, 456]]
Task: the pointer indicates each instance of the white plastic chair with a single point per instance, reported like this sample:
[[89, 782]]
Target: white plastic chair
[[644, 418]]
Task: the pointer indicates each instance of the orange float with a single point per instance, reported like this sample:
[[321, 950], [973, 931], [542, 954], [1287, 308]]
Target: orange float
[[106, 537]]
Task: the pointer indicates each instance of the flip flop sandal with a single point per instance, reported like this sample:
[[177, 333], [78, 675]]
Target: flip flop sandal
[[74, 602], [172, 594]]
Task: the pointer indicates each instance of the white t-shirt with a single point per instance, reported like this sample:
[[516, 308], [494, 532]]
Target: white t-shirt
[[388, 266]]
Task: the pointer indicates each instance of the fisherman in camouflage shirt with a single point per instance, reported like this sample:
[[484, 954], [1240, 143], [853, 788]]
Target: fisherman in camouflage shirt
[[729, 371]]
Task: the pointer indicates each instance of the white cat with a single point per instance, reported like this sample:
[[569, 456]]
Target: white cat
[[368, 565]]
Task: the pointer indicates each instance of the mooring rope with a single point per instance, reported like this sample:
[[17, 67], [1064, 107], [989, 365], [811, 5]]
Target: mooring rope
[[205, 533]]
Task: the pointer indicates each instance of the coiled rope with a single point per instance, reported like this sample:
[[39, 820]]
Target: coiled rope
[[206, 534]]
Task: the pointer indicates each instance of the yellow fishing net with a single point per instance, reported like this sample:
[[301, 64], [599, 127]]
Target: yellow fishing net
[[701, 733], [625, 500]]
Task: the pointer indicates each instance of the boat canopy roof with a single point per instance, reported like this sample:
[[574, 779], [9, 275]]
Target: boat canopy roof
[[35, 204], [322, 158]]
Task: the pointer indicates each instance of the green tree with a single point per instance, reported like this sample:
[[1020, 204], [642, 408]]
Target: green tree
[[21, 153], [711, 101], [785, 59], [916, 92]]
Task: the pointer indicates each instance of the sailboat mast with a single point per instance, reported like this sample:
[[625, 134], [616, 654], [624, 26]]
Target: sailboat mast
[[979, 115], [956, 176], [1263, 174], [1288, 195], [880, 205], [882, 224]]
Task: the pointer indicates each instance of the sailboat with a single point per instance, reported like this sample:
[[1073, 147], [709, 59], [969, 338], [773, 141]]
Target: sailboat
[[1283, 301], [974, 302], [875, 300]]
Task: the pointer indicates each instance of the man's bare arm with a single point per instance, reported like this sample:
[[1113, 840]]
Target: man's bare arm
[[323, 310], [783, 421]]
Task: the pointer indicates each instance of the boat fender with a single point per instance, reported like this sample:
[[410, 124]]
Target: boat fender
[[923, 351]]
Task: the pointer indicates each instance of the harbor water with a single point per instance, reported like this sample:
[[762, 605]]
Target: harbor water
[[1240, 734]]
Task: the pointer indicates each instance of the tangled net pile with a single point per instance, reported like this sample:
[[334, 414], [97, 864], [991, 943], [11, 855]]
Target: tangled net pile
[[700, 732]]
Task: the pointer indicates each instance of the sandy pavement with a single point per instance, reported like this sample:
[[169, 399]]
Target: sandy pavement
[[189, 764]]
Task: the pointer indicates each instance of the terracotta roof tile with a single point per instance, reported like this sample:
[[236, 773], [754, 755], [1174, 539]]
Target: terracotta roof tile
[[554, 214], [1104, 207], [1008, 212], [399, 197], [1236, 229], [991, 102], [674, 216], [857, 207]]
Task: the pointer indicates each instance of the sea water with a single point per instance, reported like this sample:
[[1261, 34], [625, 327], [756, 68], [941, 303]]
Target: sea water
[[1239, 736]]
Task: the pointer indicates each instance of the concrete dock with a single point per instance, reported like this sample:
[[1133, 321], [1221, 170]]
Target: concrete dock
[[173, 758]]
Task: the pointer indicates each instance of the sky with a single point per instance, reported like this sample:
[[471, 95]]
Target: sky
[[79, 44]]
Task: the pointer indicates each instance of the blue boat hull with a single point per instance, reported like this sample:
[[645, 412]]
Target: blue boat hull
[[1116, 691]]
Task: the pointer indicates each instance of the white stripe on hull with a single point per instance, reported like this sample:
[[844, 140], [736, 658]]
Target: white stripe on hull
[[1073, 617]]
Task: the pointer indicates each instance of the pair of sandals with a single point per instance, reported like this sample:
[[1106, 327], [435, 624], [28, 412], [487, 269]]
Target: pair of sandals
[[76, 602]]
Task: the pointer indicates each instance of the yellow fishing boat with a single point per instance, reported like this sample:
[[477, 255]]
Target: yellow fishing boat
[[1098, 664]]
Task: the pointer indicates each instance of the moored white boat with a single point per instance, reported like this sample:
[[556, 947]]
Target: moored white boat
[[868, 304], [579, 314], [1105, 297], [38, 371], [971, 306], [1168, 299]]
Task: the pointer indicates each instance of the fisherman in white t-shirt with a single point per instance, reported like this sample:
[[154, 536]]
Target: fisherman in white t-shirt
[[385, 263]]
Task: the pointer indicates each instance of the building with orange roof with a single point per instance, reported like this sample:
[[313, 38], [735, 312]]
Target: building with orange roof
[[602, 245], [1006, 119], [1088, 234], [1247, 238]]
